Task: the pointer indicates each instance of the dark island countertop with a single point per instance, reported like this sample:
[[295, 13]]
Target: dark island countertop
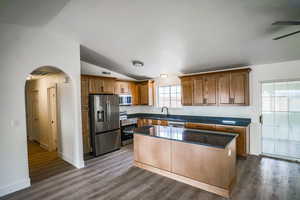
[[202, 137], [195, 119]]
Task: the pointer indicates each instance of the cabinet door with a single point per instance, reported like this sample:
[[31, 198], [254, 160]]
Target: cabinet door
[[239, 88], [109, 86], [84, 91], [224, 88], [210, 89], [96, 85], [144, 94], [186, 92], [200, 126], [152, 151], [140, 122], [85, 130], [134, 88], [198, 91]]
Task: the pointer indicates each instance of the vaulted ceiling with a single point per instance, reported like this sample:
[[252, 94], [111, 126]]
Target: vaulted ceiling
[[169, 36]]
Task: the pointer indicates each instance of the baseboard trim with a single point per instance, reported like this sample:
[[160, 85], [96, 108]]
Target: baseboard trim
[[210, 188], [19, 185], [68, 159]]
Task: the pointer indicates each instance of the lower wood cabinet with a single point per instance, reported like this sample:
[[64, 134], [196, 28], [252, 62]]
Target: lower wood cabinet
[[149, 122], [205, 164], [200, 126], [158, 151], [243, 132], [242, 142]]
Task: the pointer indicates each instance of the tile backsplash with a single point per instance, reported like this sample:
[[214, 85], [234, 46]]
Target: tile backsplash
[[228, 111]]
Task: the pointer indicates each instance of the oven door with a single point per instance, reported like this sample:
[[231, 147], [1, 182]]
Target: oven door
[[127, 132]]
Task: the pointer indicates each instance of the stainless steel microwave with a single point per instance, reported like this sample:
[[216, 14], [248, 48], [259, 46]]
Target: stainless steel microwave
[[125, 100]]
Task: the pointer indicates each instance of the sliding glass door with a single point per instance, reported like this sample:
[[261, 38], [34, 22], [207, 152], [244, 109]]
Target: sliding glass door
[[281, 119]]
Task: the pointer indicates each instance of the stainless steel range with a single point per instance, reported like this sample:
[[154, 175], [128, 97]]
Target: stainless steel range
[[127, 126]]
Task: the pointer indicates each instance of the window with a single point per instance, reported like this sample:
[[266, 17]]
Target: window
[[169, 96]]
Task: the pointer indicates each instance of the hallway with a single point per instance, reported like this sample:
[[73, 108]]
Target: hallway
[[44, 164]]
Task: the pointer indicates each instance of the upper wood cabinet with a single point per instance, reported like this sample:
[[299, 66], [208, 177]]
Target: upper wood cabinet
[[123, 87], [224, 88], [198, 86], [135, 92], [220, 88], [233, 87], [101, 85], [186, 91], [210, 90], [146, 92], [239, 87]]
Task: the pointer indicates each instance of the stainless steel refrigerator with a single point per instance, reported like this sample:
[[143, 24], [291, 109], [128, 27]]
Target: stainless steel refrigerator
[[104, 123]]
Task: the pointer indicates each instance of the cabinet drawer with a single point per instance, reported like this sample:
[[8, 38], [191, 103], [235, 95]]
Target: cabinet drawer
[[200, 126], [232, 129]]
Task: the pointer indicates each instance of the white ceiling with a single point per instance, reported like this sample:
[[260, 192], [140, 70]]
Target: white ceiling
[[176, 36]]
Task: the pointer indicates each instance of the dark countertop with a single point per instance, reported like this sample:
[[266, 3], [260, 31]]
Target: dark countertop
[[208, 138], [196, 119]]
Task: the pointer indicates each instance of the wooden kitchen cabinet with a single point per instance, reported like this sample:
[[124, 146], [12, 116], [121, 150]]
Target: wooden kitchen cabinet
[[200, 126], [101, 85], [198, 86], [158, 151], [134, 89], [123, 87], [243, 139], [109, 85], [234, 87], [239, 87], [210, 89], [146, 92], [84, 91], [186, 91], [85, 130], [219, 88], [224, 88]]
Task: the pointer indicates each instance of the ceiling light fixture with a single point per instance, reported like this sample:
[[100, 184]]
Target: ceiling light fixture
[[164, 76], [137, 63]]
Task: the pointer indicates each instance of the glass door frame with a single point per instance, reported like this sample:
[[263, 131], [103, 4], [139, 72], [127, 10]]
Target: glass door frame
[[283, 157]]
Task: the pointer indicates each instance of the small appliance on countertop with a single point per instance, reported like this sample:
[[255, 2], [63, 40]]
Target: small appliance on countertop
[[127, 126]]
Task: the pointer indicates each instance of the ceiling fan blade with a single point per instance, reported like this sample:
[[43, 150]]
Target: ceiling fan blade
[[291, 23], [287, 35]]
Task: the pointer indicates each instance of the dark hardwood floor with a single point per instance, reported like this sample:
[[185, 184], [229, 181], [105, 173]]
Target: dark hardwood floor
[[113, 177], [44, 164]]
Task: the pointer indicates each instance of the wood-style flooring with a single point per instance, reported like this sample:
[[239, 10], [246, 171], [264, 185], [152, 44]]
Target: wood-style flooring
[[44, 164], [113, 177]]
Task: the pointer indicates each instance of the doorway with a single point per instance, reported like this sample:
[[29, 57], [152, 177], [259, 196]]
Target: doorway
[[281, 119], [44, 133]]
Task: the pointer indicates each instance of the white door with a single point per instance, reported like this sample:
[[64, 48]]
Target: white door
[[281, 119], [33, 115], [52, 102]]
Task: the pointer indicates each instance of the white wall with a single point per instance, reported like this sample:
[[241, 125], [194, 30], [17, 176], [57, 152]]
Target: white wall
[[90, 69], [260, 73], [23, 50]]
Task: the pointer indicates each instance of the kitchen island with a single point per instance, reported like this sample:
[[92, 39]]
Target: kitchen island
[[203, 159]]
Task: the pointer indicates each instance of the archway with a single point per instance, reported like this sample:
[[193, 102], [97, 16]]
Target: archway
[[48, 94]]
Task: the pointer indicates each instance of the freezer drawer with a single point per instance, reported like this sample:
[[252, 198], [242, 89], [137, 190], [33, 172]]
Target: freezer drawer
[[107, 142]]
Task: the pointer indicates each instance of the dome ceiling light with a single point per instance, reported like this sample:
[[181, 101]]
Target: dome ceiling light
[[137, 64]]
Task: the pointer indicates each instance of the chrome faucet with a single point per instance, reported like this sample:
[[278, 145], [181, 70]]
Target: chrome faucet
[[165, 107]]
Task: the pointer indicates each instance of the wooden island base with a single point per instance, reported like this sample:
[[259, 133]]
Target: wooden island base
[[210, 188], [205, 167]]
